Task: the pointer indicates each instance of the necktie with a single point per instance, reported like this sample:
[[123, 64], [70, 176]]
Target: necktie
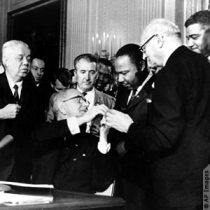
[[133, 95], [16, 96], [84, 94]]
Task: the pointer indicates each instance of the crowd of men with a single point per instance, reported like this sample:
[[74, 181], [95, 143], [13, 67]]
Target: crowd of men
[[148, 132]]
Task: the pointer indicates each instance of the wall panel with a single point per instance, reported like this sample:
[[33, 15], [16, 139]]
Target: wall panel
[[4, 7], [123, 19], [77, 29]]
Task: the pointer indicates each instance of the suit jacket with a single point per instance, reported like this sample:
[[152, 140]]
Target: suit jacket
[[19, 128], [101, 98], [134, 165], [43, 92], [177, 134], [80, 166], [138, 107]]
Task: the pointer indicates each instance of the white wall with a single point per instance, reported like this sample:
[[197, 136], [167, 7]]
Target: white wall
[[123, 19]]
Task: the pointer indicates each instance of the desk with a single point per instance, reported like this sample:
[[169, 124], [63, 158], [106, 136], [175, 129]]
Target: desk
[[64, 200]]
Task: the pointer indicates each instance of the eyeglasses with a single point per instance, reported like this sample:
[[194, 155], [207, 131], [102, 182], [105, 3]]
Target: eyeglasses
[[79, 98], [142, 47]]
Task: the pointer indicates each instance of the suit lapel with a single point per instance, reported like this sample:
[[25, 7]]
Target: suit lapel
[[25, 92], [142, 95], [122, 105], [98, 98], [139, 98], [6, 88]]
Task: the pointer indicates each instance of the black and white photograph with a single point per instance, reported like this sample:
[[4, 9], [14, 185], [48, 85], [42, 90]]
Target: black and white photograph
[[105, 104]]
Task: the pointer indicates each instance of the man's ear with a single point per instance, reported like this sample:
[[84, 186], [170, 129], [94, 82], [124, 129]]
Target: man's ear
[[160, 40], [75, 72], [61, 107], [4, 60], [97, 75]]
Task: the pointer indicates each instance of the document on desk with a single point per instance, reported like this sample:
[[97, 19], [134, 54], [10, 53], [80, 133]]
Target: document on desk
[[25, 194], [12, 199], [20, 184]]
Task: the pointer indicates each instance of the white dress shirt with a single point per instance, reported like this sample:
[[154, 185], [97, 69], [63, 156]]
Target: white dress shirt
[[90, 97], [12, 84], [103, 145]]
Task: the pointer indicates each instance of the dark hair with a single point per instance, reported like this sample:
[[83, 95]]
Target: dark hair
[[205, 47], [105, 61], [202, 17], [88, 57], [64, 76], [38, 57], [133, 52]]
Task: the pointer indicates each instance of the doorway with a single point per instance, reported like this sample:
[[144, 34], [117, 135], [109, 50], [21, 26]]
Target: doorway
[[42, 26]]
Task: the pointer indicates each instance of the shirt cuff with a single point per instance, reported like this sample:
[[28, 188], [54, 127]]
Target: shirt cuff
[[73, 125], [103, 146]]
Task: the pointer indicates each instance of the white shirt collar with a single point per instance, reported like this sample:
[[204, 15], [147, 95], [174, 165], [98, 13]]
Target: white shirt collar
[[90, 96], [12, 83], [81, 91]]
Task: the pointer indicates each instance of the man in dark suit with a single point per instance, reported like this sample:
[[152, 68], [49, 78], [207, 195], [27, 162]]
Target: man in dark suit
[[176, 136], [41, 85], [132, 98], [17, 102], [86, 74], [37, 70], [84, 163]]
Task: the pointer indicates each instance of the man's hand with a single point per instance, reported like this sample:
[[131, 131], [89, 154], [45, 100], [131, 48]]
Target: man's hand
[[104, 129], [103, 145], [92, 113], [118, 120], [10, 111], [94, 129]]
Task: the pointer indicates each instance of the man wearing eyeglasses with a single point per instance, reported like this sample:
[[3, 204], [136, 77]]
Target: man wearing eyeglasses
[[196, 25], [84, 163], [176, 136]]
